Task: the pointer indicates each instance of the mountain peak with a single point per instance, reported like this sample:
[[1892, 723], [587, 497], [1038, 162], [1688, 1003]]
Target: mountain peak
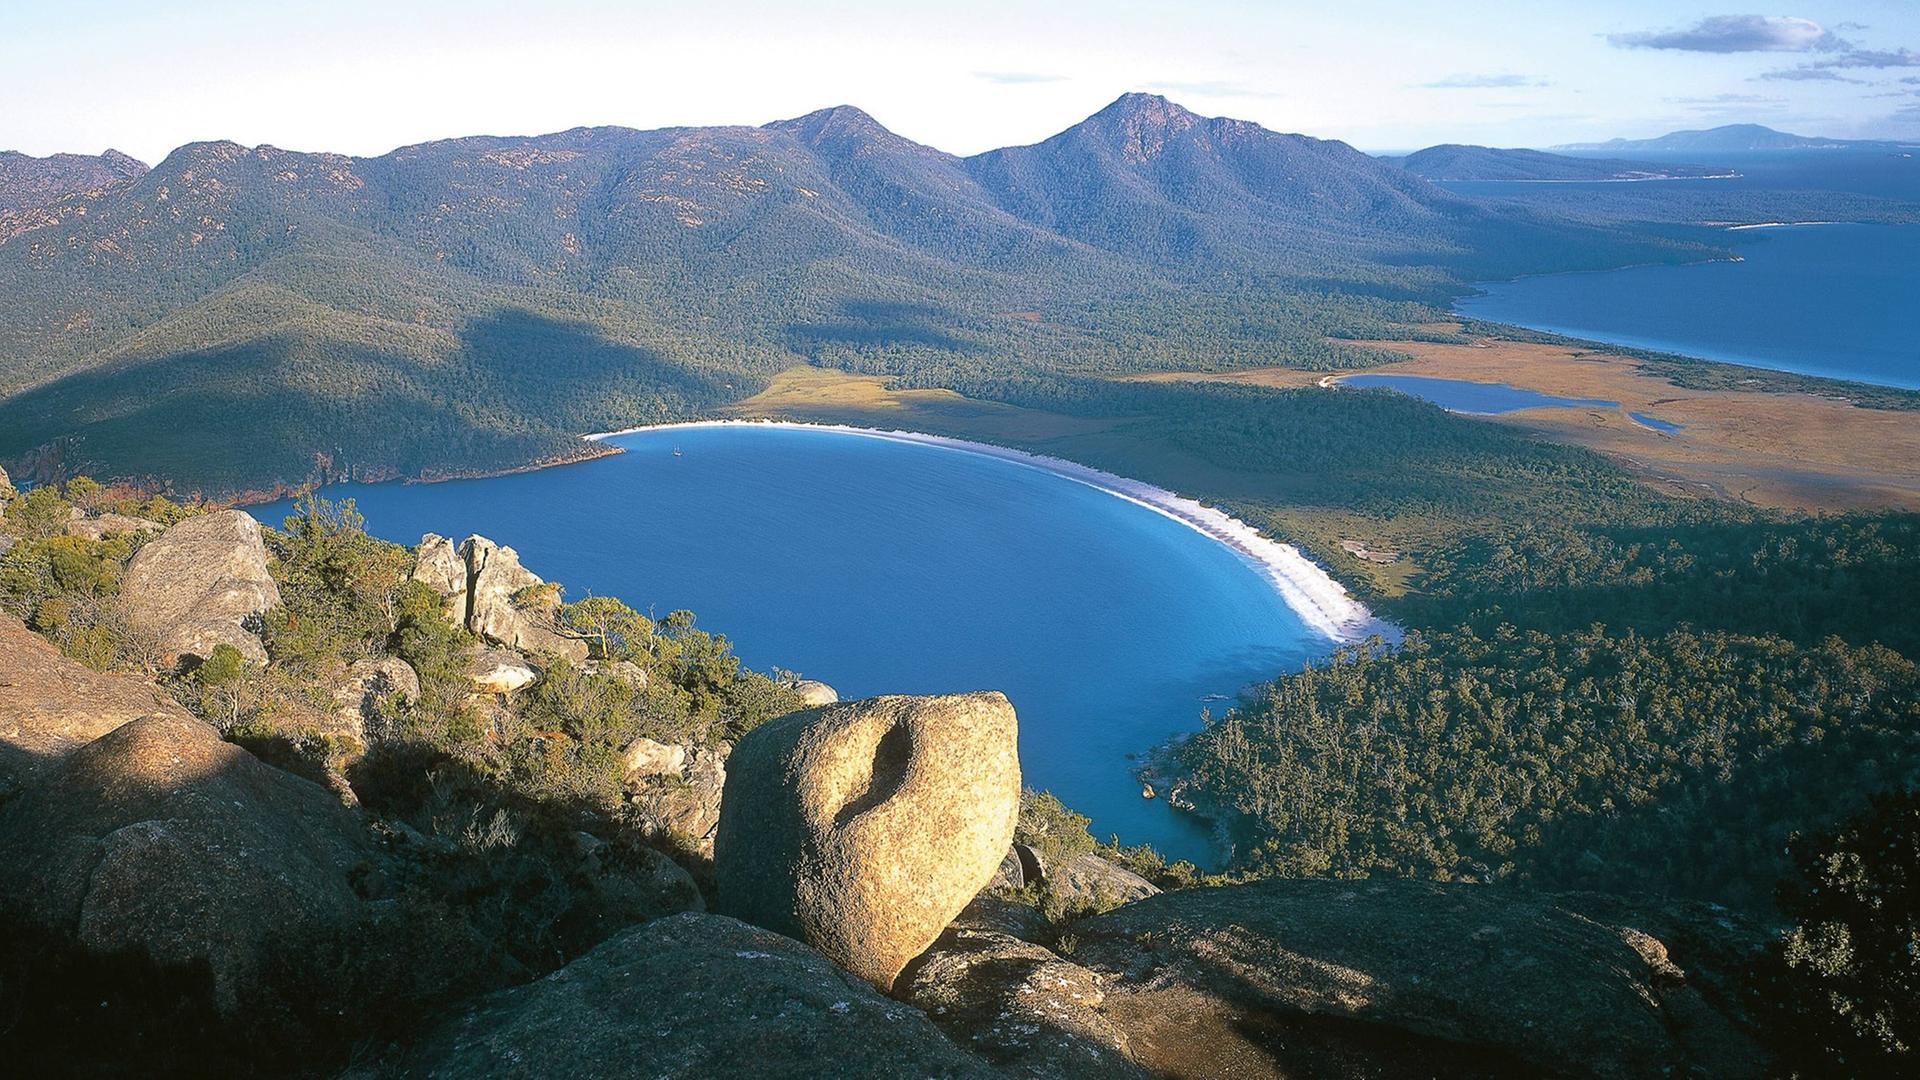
[[837, 120], [1147, 108], [1141, 124]]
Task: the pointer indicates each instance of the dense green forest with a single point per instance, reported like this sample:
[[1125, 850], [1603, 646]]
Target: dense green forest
[[1629, 709], [238, 318]]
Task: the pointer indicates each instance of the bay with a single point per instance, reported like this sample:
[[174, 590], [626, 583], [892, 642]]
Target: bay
[[887, 567]]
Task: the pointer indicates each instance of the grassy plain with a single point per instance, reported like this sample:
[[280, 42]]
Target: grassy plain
[[1783, 451]]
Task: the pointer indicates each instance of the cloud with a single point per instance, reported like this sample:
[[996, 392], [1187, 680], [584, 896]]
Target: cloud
[[1482, 82], [1806, 74], [1873, 58], [1722, 99], [1017, 78], [1736, 34], [1912, 80], [1216, 88]]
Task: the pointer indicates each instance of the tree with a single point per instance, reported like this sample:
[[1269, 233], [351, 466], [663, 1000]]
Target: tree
[[1852, 956], [617, 631]]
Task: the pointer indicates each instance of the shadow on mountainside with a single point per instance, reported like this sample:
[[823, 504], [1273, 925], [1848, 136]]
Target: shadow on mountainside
[[302, 403]]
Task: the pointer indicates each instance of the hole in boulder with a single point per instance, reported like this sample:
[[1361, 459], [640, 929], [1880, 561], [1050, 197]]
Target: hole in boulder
[[890, 756]]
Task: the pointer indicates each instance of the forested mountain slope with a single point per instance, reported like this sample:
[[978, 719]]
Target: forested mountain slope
[[27, 182], [239, 317]]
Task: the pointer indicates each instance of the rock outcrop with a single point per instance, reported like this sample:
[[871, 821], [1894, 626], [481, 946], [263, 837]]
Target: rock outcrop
[[1091, 883], [692, 995], [499, 671], [356, 698], [51, 705], [683, 808], [443, 569], [644, 757], [492, 595], [101, 526], [200, 584], [864, 828], [162, 837], [1404, 978], [813, 693], [1020, 1006]]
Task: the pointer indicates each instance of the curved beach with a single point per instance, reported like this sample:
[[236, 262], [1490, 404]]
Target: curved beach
[[1322, 603]]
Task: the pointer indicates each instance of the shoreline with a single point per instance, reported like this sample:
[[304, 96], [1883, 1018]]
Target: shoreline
[[1320, 601]]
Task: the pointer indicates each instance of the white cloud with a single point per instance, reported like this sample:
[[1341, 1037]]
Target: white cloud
[[1017, 78], [1482, 82], [1736, 34]]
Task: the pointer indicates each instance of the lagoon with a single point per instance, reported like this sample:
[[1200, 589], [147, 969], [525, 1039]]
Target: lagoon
[[888, 566], [1471, 398]]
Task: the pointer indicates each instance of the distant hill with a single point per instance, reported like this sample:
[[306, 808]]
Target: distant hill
[[1452, 161], [239, 317], [36, 181], [1729, 138]]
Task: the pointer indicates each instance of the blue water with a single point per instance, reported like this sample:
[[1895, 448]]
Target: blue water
[[1833, 300], [1477, 398], [1656, 424], [885, 567]]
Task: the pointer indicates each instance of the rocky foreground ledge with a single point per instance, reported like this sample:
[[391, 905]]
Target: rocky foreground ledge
[[879, 906]]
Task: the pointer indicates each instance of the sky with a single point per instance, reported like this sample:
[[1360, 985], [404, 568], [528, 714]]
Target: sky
[[361, 78]]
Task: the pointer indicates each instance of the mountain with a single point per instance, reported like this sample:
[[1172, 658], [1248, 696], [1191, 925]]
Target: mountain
[[1452, 161], [1728, 138], [36, 181], [243, 317]]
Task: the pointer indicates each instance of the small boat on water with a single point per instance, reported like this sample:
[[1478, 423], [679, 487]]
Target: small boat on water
[[676, 451]]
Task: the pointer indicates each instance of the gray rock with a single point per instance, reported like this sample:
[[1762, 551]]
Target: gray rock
[[102, 526], [644, 757], [1402, 977], [1021, 1006], [864, 828], [162, 837], [495, 579], [691, 996], [51, 705], [1011, 875], [813, 693], [199, 584], [625, 670], [444, 570], [356, 697], [499, 671], [683, 809], [1091, 883]]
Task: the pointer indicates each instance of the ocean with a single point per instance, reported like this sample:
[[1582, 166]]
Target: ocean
[[1837, 300]]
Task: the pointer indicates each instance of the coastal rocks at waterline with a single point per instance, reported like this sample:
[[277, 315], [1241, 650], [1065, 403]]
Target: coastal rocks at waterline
[[864, 828], [199, 584], [51, 705], [491, 594], [691, 995], [161, 836]]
